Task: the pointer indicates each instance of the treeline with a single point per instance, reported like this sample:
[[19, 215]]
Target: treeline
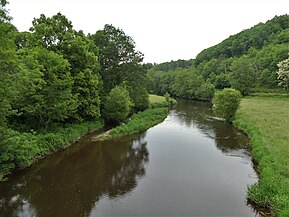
[[54, 77], [257, 51], [167, 66], [243, 61], [183, 83]]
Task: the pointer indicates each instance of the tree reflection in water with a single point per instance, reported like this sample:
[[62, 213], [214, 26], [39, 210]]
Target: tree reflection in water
[[92, 170], [227, 139]]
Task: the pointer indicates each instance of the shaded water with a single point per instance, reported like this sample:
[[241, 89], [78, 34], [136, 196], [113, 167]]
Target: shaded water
[[192, 164]]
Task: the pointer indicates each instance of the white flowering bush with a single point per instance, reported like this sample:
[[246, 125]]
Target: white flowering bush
[[283, 73]]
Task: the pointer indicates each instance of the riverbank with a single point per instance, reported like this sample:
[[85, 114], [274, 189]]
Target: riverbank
[[20, 149], [266, 119], [141, 121], [137, 123]]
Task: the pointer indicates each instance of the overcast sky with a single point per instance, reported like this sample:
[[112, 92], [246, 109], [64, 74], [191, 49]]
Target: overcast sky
[[163, 30]]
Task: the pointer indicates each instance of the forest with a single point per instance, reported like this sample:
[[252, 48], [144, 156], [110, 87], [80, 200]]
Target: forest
[[246, 61]]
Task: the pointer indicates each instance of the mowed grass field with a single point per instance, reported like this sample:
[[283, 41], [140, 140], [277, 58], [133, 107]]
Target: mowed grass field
[[156, 99], [266, 120]]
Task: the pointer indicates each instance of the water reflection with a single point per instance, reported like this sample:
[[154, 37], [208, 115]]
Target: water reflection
[[70, 183], [201, 116], [192, 164]]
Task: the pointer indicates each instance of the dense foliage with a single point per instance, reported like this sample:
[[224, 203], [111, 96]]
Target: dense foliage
[[184, 83], [257, 51], [243, 61], [226, 103], [118, 105], [172, 65], [21, 149], [53, 75]]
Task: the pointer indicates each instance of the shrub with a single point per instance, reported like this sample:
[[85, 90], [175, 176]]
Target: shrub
[[118, 105], [18, 149], [226, 103]]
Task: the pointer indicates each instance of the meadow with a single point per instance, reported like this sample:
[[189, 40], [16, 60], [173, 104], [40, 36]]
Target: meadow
[[266, 120]]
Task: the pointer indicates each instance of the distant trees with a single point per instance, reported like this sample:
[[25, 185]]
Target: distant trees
[[283, 73], [172, 65], [184, 83], [242, 77], [263, 46]]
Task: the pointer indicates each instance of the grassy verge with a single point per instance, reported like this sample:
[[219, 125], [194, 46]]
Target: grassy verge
[[137, 123], [20, 150], [143, 120], [161, 101], [266, 120]]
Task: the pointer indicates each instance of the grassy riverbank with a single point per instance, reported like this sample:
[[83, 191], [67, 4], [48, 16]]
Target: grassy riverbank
[[137, 123], [19, 150], [161, 101], [142, 120], [266, 120]]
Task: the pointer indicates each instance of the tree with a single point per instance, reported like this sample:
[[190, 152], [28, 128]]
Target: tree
[[57, 34], [121, 64], [117, 55], [49, 97], [50, 32], [117, 105], [242, 75], [283, 73], [226, 103], [4, 16]]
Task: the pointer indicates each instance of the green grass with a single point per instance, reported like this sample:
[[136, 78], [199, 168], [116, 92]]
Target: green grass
[[160, 101], [143, 120], [266, 120], [137, 123], [155, 98], [19, 150]]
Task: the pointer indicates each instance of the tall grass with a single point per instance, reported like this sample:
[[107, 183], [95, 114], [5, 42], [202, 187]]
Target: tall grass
[[137, 123], [266, 120], [18, 150]]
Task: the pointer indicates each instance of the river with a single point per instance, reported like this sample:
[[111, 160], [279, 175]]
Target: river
[[192, 164]]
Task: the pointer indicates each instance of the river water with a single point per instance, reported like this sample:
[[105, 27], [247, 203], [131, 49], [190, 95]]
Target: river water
[[192, 164]]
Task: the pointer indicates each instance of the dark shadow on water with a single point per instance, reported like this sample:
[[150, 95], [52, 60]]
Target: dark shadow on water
[[69, 183], [201, 116]]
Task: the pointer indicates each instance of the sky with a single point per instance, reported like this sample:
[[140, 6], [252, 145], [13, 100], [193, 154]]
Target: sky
[[163, 30]]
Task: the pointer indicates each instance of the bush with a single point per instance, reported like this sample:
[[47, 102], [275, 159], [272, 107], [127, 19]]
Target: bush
[[18, 149], [118, 105], [226, 103]]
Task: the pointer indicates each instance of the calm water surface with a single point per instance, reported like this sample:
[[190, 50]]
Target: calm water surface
[[192, 164]]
